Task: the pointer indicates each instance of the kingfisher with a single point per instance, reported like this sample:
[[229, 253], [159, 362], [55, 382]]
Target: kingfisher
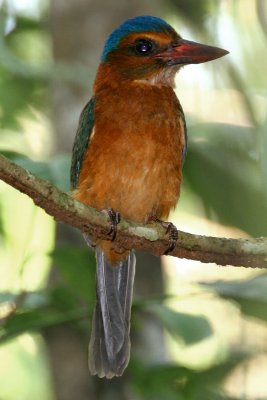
[[127, 161]]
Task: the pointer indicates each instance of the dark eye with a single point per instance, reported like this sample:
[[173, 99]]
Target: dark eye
[[143, 46]]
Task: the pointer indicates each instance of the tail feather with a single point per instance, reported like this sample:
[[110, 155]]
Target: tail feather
[[109, 347], [125, 285]]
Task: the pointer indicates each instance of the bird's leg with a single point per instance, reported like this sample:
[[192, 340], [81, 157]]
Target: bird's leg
[[114, 218], [170, 229]]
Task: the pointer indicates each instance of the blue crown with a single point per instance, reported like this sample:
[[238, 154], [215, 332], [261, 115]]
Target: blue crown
[[144, 23]]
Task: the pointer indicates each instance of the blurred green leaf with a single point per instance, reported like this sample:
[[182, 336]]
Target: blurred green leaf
[[159, 382], [17, 68], [2, 231], [250, 294], [62, 298], [262, 15], [35, 311], [263, 158], [55, 171], [26, 23], [35, 320], [188, 328], [222, 169], [16, 93], [174, 382], [193, 12], [254, 288], [13, 155], [241, 86], [26, 300], [77, 267], [207, 384]]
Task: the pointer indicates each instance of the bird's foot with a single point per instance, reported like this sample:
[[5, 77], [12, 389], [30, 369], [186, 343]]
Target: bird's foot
[[173, 235], [171, 230], [114, 218]]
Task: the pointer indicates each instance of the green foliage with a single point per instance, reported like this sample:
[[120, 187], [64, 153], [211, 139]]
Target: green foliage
[[193, 12], [16, 94], [18, 91], [70, 300], [77, 268], [170, 382], [226, 169], [184, 327], [55, 171], [222, 169], [36, 320], [249, 294]]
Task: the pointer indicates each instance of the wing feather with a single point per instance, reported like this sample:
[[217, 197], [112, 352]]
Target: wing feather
[[81, 142]]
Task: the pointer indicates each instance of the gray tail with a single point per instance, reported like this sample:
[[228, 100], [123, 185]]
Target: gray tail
[[109, 347]]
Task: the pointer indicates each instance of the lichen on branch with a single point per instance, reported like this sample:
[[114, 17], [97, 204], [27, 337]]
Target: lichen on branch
[[151, 238]]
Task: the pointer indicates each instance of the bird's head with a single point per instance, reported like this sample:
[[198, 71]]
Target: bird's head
[[147, 48]]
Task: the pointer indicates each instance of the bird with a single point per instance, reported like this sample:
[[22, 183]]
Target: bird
[[127, 161]]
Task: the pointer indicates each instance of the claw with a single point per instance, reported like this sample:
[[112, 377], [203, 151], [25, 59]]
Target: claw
[[173, 236], [114, 219], [171, 230]]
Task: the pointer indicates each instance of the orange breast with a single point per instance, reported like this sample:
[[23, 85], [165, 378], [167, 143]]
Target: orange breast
[[134, 160]]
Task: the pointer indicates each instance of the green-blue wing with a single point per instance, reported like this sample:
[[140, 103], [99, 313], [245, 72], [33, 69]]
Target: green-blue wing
[[184, 133], [85, 128]]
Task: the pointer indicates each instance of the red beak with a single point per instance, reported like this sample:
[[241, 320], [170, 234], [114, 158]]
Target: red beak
[[186, 52]]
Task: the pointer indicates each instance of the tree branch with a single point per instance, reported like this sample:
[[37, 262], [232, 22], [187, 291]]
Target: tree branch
[[151, 238]]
